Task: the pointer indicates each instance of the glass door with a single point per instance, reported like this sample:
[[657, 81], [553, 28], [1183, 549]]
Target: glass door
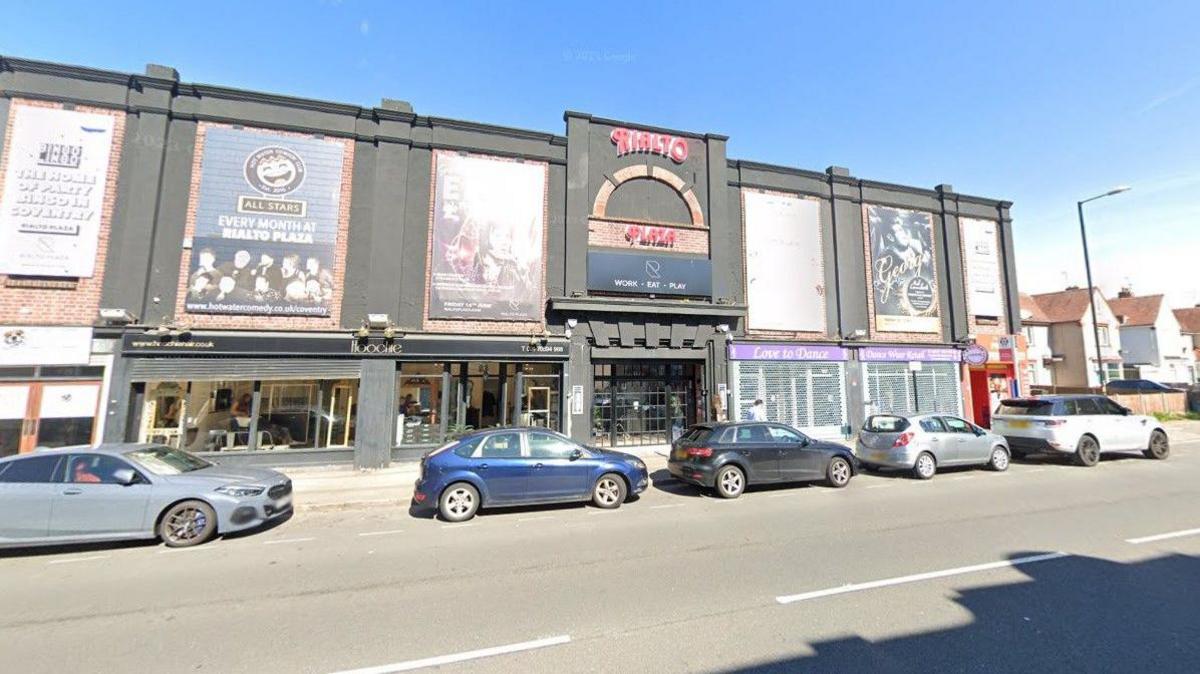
[[15, 434], [67, 414]]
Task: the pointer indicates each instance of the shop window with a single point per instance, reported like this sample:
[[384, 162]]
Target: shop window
[[419, 395]]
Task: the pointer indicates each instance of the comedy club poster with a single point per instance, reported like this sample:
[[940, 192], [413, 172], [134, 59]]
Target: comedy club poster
[[904, 282], [266, 224], [487, 256]]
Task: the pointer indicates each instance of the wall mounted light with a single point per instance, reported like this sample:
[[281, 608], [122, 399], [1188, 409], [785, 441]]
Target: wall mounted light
[[378, 321], [118, 316]]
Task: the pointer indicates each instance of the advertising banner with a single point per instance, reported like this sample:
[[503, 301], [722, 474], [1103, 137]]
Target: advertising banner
[[785, 276], [649, 274], [488, 257], [266, 224], [54, 191], [38, 345], [982, 260], [784, 351], [903, 277]]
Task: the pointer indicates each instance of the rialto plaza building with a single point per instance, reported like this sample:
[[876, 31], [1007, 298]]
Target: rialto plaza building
[[272, 279]]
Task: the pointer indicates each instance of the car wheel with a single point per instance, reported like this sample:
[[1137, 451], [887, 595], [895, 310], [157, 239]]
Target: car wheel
[[731, 482], [1087, 452], [839, 473], [187, 523], [459, 502], [925, 467], [609, 491], [999, 460], [1160, 447]]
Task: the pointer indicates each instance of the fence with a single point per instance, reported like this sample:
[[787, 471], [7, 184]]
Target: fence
[[1149, 403]]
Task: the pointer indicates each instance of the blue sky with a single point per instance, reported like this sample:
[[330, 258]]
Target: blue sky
[[1039, 103]]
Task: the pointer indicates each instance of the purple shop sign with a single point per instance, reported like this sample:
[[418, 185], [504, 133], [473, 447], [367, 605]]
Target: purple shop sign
[[786, 351], [901, 354]]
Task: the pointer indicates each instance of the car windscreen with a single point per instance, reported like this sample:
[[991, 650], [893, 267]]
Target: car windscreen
[[1027, 408], [885, 423], [696, 434], [166, 461]]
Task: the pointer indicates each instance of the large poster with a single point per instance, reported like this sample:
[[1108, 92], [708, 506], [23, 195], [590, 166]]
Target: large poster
[[487, 256], [54, 191], [266, 224], [785, 274], [903, 276], [982, 262]]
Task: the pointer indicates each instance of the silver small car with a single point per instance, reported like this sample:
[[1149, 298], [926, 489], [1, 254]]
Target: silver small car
[[926, 442], [131, 491]]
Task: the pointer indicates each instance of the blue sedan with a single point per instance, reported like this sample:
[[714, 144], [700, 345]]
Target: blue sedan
[[523, 466]]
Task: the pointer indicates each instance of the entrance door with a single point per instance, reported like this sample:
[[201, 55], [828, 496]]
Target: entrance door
[[47, 415], [981, 400], [644, 403], [15, 428]]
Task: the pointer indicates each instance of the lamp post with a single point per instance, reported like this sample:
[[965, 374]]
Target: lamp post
[[1091, 289]]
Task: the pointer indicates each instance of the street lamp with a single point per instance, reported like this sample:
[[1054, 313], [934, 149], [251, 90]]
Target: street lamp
[[1091, 289]]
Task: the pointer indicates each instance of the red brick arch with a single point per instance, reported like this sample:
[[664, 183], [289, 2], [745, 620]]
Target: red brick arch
[[646, 171]]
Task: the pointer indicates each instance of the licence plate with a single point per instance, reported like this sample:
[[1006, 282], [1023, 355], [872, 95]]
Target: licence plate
[[1019, 424], [283, 502]]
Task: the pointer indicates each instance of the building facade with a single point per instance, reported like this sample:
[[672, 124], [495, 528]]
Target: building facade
[[1153, 345], [282, 280], [1072, 338]]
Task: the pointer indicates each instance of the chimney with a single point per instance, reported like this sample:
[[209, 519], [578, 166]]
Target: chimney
[[1125, 293], [1072, 287]]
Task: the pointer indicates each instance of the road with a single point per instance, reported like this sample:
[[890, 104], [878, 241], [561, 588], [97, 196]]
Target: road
[[1046, 566]]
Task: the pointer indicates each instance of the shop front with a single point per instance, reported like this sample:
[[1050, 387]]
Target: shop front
[[992, 373], [911, 379], [802, 385], [645, 403]]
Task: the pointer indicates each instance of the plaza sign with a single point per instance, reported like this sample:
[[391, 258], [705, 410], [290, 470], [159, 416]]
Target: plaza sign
[[629, 141]]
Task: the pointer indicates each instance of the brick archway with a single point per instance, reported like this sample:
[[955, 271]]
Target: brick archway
[[646, 171]]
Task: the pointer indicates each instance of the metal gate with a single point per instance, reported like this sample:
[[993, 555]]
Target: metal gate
[[810, 396], [894, 389]]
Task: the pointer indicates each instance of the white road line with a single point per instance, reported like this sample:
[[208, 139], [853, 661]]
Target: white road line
[[410, 665], [856, 587], [288, 540], [666, 505], [1035, 470], [382, 533], [880, 486], [540, 518], [1163, 537], [782, 494], [77, 559], [458, 526], [956, 478], [202, 548]]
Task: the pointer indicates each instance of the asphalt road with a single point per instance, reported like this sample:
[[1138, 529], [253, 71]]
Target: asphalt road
[[1046, 566]]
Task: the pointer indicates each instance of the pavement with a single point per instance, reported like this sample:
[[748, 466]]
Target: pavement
[[1045, 567]]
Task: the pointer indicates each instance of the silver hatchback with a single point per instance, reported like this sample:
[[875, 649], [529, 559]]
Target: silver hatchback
[[926, 442]]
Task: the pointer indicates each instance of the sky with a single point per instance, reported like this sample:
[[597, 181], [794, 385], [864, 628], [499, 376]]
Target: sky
[[1042, 104]]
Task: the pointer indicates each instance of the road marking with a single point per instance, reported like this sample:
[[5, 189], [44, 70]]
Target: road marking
[[1036, 470], [782, 494], [458, 526], [959, 477], [857, 587], [410, 665], [880, 486], [540, 518], [1163, 537], [288, 540], [603, 512], [382, 533], [666, 505], [77, 559], [202, 548]]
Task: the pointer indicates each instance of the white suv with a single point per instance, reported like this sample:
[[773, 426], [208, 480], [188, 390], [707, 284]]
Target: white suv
[[1082, 425]]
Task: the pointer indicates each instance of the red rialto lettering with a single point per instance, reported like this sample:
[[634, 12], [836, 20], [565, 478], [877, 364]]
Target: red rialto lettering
[[621, 138], [679, 150]]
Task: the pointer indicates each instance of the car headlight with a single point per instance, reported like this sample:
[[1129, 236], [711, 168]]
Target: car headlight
[[639, 464], [240, 490]]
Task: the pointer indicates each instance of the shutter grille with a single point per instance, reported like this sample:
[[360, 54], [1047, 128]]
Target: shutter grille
[[810, 396], [890, 387], [223, 369]]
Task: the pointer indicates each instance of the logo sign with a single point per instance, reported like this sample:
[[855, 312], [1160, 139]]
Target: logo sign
[[975, 355], [786, 351], [274, 170], [649, 275], [1007, 345], [629, 141], [34, 345], [650, 236]]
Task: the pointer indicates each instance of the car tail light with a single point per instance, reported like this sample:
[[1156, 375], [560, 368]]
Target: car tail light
[[903, 440], [699, 452]]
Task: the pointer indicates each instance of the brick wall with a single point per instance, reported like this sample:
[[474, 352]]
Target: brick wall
[[889, 336], [330, 322], [62, 301], [616, 234]]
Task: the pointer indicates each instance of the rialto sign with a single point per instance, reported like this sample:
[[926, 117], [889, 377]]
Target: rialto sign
[[629, 141]]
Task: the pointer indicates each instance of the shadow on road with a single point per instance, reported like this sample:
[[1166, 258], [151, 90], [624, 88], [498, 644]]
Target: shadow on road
[[1073, 614]]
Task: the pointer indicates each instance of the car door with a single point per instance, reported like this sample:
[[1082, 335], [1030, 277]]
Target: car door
[[972, 447], [555, 474], [91, 502], [754, 444], [937, 438], [798, 459], [1090, 418], [502, 466], [27, 490], [1129, 431]]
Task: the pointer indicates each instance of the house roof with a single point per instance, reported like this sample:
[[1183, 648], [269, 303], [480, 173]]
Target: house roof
[[1031, 312], [1189, 319], [1064, 306], [1135, 311]]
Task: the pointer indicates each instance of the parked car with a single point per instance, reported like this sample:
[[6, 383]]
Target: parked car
[[727, 457], [1080, 425], [523, 466], [131, 491], [926, 442], [1137, 386]]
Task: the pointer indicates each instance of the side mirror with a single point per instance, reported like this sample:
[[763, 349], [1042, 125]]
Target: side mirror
[[1125, 411], [125, 476], [576, 454]]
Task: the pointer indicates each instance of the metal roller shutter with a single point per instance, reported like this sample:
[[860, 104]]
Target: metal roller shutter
[[223, 369], [810, 396], [891, 388]]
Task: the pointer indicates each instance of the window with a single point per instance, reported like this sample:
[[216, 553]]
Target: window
[[750, 434], [781, 434], [1028, 408], [1109, 407], [884, 423], [696, 434], [547, 446], [501, 446], [1070, 408], [1028, 332], [32, 469], [166, 461], [94, 469], [466, 449], [957, 425], [1103, 335], [1088, 406], [933, 425]]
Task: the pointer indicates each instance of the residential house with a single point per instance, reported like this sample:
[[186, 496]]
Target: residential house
[[1039, 357], [1072, 340], [1189, 327], [1152, 344]]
